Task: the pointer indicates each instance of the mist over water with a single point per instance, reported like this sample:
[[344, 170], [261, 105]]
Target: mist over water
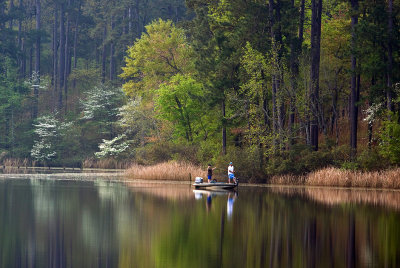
[[56, 223]]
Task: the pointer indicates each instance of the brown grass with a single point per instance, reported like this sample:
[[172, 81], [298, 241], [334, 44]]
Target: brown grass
[[106, 163], [345, 178], [165, 171], [15, 162]]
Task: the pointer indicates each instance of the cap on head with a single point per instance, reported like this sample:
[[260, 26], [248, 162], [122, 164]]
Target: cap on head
[[230, 163], [209, 165]]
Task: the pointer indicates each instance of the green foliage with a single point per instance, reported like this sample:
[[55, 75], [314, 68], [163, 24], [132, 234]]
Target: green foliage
[[301, 159], [13, 96], [247, 162], [208, 151], [164, 151], [350, 165], [370, 160], [159, 54], [389, 145], [181, 101], [137, 122]]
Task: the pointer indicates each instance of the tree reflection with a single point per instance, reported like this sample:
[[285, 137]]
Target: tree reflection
[[98, 224]]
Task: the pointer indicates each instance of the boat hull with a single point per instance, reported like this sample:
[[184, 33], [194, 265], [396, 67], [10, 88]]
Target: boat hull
[[215, 186]]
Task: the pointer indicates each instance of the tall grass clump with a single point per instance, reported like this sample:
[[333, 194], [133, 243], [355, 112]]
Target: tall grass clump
[[16, 162], [347, 178], [107, 163], [389, 179], [178, 171]]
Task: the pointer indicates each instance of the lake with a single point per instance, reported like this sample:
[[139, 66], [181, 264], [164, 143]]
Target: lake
[[100, 223]]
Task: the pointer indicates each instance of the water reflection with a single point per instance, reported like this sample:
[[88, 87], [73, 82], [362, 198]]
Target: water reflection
[[209, 195], [103, 224]]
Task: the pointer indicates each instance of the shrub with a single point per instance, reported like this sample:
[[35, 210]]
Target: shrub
[[165, 151], [349, 166], [301, 159], [370, 160], [390, 139], [247, 163]]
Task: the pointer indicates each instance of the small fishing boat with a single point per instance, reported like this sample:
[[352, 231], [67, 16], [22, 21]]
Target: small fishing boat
[[199, 184]]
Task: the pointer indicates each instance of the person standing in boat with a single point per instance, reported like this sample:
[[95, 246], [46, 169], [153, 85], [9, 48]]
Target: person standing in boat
[[231, 173], [209, 172]]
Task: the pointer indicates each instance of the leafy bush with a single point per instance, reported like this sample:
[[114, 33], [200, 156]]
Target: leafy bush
[[349, 166], [247, 163], [165, 151], [370, 160], [302, 159], [389, 145]]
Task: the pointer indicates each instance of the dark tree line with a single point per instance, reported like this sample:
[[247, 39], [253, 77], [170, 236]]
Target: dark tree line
[[276, 75], [55, 45]]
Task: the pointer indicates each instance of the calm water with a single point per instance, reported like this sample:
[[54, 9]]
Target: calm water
[[46, 223]]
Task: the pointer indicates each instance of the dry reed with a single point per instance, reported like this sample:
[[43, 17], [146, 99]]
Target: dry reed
[[345, 178], [164, 171], [15, 162], [106, 163]]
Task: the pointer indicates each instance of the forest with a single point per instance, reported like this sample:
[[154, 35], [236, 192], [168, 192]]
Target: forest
[[277, 86]]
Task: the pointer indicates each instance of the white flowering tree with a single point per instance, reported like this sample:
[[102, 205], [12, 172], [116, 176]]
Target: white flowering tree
[[48, 130], [137, 122], [101, 103], [113, 148], [100, 109]]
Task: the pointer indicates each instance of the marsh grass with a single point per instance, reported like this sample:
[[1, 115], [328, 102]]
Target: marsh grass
[[16, 162], [106, 163], [344, 178], [177, 171]]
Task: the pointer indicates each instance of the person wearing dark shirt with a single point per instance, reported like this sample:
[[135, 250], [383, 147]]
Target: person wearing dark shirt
[[209, 173]]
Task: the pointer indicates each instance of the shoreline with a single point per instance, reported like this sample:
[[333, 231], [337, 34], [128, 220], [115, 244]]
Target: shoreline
[[122, 177], [324, 195]]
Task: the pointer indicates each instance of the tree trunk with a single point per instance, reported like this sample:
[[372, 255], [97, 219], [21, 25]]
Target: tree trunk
[[390, 57], [37, 62], [273, 76], [76, 41], [112, 62], [124, 15], [314, 74], [353, 96], [30, 61], [11, 9], [103, 68], [223, 127], [130, 20], [370, 122], [137, 15], [21, 58], [278, 113], [55, 56], [67, 56], [62, 58], [296, 44], [279, 76]]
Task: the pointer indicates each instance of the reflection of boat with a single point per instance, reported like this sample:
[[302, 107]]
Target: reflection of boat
[[215, 186], [212, 192]]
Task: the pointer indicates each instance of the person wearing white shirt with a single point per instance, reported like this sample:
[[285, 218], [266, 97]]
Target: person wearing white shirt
[[231, 173]]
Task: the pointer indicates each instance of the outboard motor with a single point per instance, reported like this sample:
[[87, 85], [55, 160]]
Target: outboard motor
[[198, 180]]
